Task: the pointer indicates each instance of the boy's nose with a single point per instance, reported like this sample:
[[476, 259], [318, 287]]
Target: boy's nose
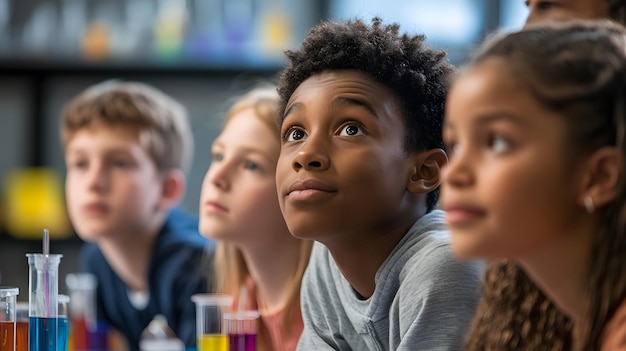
[[310, 160], [311, 157], [98, 177]]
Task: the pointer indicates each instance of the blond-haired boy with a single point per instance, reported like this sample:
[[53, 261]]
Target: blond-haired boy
[[126, 146]]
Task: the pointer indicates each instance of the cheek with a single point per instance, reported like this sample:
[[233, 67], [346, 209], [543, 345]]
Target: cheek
[[204, 186], [530, 211], [72, 190]]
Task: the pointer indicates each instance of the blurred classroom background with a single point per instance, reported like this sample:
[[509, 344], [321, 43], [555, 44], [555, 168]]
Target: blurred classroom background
[[201, 52]]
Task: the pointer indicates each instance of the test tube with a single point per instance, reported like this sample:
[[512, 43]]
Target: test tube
[[21, 326], [82, 291], [43, 301], [210, 333], [63, 323], [8, 296]]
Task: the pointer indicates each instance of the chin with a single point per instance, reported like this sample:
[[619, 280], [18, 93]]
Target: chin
[[91, 235]]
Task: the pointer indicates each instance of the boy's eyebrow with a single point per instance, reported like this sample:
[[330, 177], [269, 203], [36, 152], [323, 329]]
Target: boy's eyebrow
[[342, 100], [294, 106]]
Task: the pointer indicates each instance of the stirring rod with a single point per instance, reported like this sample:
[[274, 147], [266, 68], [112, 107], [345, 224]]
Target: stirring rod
[[46, 251], [46, 242]]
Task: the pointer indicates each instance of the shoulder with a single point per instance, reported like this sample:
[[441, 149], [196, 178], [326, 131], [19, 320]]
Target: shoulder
[[434, 259], [90, 257], [614, 335], [180, 231], [431, 258]]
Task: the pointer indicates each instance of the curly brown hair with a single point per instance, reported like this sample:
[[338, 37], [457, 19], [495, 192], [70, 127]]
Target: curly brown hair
[[417, 74], [516, 315], [578, 70]]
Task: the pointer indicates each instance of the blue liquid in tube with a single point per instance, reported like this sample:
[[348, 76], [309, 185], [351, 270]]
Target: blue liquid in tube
[[43, 334], [63, 333]]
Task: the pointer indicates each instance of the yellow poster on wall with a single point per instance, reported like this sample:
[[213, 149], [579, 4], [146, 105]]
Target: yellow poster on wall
[[34, 201]]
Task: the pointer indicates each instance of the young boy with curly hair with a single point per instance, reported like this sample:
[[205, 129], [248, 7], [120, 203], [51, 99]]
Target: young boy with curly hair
[[126, 147], [359, 171]]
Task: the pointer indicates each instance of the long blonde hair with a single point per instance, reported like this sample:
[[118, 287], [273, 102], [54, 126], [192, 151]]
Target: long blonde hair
[[231, 270]]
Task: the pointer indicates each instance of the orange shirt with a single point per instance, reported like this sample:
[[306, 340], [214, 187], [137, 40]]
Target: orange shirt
[[277, 335], [614, 336]]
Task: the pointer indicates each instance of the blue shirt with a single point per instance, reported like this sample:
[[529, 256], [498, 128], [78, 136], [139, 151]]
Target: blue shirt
[[178, 269]]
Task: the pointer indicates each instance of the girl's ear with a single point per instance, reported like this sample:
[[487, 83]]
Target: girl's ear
[[173, 188], [426, 173], [600, 180]]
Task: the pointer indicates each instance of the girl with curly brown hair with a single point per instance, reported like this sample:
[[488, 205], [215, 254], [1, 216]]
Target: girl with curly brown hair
[[535, 127]]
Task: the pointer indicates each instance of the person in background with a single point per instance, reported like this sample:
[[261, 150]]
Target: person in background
[[126, 147], [536, 176], [257, 262], [358, 172], [561, 10]]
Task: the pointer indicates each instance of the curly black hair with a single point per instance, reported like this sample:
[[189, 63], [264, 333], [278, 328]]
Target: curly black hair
[[418, 75]]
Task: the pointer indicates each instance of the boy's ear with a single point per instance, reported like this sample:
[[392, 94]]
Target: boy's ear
[[173, 188], [600, 178], [426, 172]]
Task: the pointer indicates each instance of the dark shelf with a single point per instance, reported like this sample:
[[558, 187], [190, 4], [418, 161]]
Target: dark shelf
[[43, 66]]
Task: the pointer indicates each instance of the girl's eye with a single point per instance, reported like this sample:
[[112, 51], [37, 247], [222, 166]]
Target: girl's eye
[[351, 130], [294, 134], [453, 148], [217, 157], [251, 166], [500, 145]]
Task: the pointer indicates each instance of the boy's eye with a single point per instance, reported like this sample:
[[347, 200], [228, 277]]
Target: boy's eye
[[351, 130], [78, 164], [294, 134], [121, 163]]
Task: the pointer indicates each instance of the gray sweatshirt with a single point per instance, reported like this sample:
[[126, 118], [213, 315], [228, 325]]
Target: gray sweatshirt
[[424, 297]]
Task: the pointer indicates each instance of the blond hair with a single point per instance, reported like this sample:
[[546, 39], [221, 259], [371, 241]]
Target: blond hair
[[230, 269], [161, 121]]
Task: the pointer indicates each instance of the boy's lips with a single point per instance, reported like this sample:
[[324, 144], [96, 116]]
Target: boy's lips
[[95, 208], [308, 189]]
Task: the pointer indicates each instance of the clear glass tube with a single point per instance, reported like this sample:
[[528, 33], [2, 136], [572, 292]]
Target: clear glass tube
[[8, 297], [43, 301]]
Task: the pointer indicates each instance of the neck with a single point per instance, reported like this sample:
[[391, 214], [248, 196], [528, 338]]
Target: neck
[[129, 256], [272, 267], [376, 246], [560, 270]]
